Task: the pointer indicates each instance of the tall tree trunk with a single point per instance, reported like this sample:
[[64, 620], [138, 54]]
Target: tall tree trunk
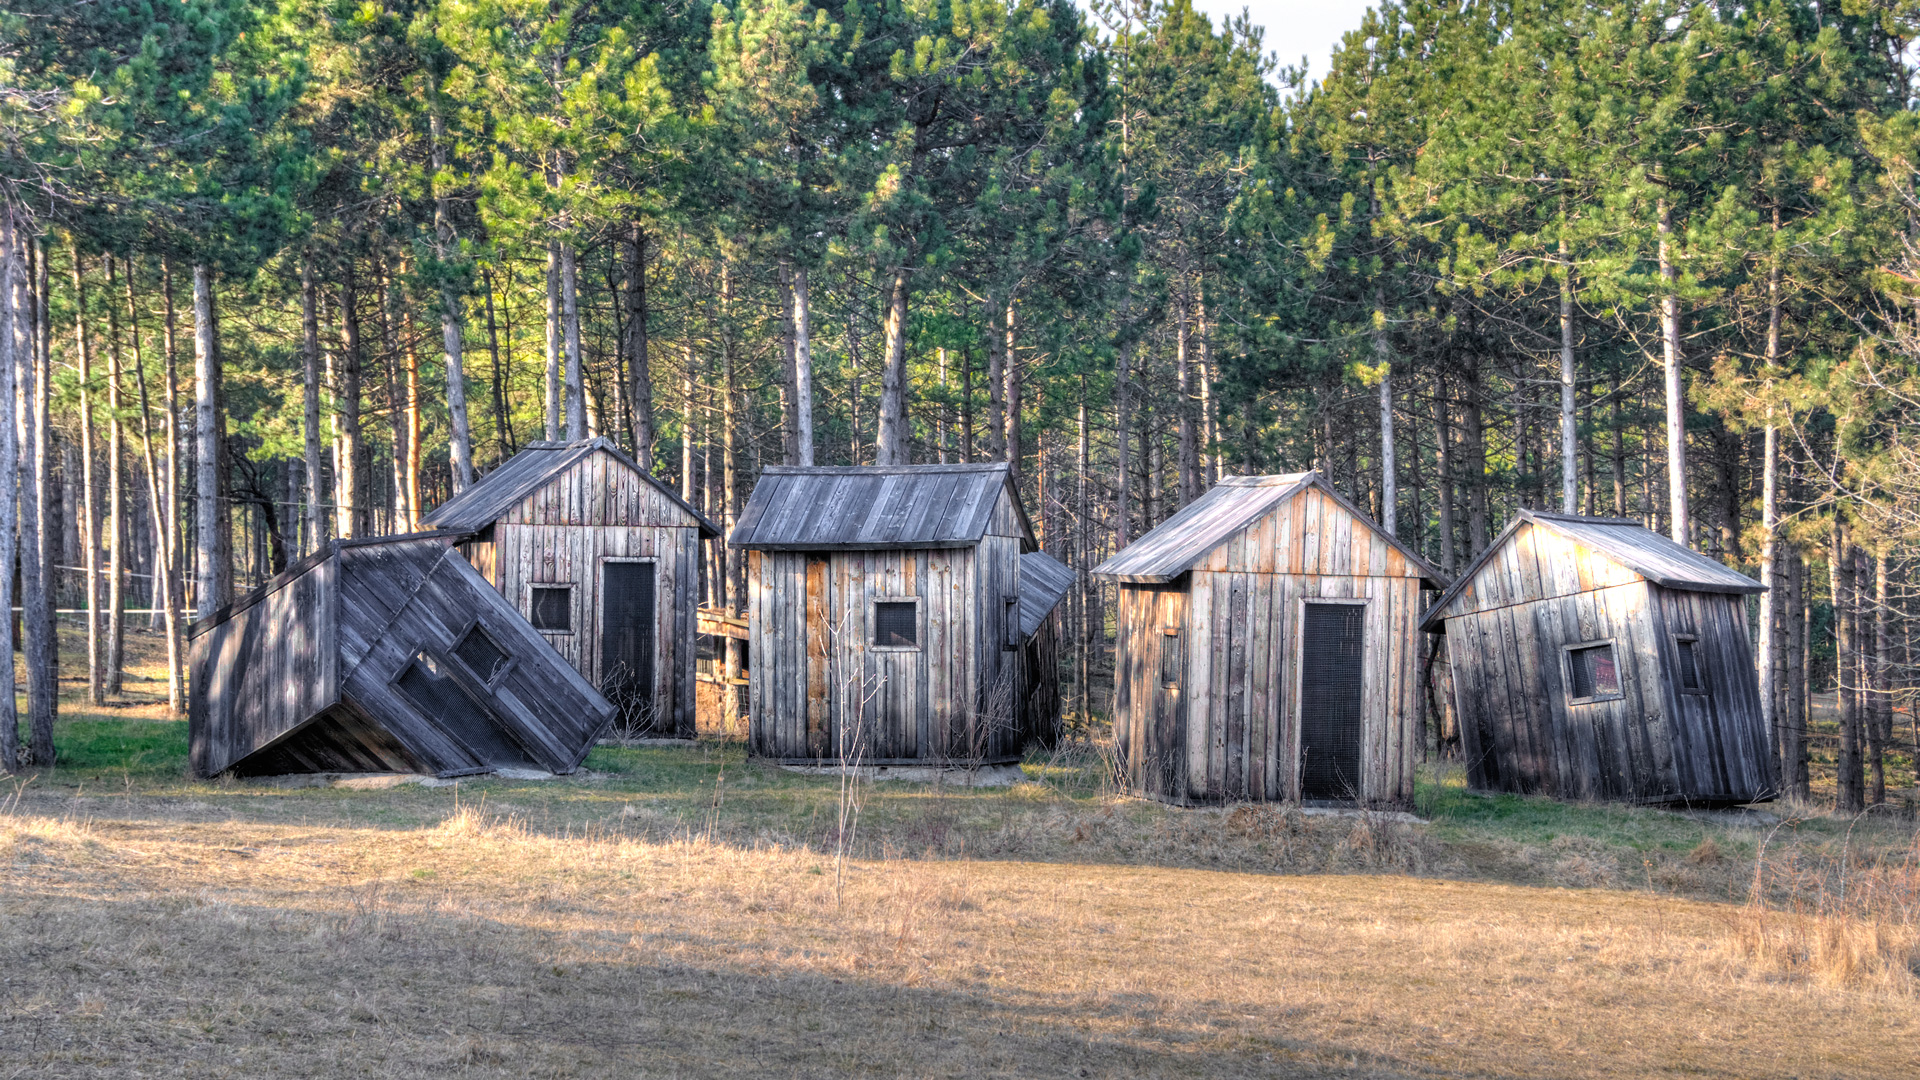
[[1474, 444], [459, 438], [1795, 699], [1122, 425], [1768, 647], [89, 523], [576, 381], [1618, 450], [1183, 374], [891, 444], [996, 384], [1443, 465], [1569, 419], [1675, 386], [1383, 360], [310, 399], [640, 364], [503, 434], [176, 534], [37, 562], [553, 341], [1878, 713], [689, 420], [16, 345], [410, 337], [966, 406], [1015, 452], [116, 648], [941, 426], [729, 466], [399, 456], [1209, 419], [1852, 787], [347, 404], [1083, 550], [162, 562], [206, 441]]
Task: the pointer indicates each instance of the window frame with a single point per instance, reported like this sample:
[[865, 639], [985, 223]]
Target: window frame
[[1566, 671], [1172, 647], [1682, 643], [476, 623], [919, 624], [573, 614], [1010, 622]]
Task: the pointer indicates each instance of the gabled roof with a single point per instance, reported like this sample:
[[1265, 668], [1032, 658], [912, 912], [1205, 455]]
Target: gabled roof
[[814, 508], [1622, 540], [526, 472], [1044, 582], [1172, 547]]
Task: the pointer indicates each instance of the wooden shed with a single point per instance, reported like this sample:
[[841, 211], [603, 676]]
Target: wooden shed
[[891, 613], [383, 655], [1594, 659], [1267, 650], [603, 560]]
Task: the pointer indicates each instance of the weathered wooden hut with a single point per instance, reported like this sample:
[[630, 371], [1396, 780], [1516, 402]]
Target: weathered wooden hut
[[1594, 659], [603, 560], [383, 655], [1267, 650], [888, 613]]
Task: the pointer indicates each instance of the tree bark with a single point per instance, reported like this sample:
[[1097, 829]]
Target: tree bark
[[347, 404], [1443, 465], [570, 308], [1675, 387], [310, 400], [1768, 647], [1569, 420], [1209, 420], [1474, 444], [459, 438], [399, 454], [37, 564], [16, 342], [1383, 360], [689, 420], [1015, 451], [206, 440], [503, 434], [1796, 777], [553, 341], [89, 524], [176, 534], [116, 646], [891, 445], [996, 384], [639, 362], [1183, 374], [1851, 781], [1878, 716]]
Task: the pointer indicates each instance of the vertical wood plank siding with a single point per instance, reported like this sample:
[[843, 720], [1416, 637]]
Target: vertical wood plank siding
[[564, 533], [819, 689], [1508, 630], [1228, 728]]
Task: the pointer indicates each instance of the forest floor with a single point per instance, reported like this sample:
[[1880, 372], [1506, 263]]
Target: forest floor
[[679, 911]]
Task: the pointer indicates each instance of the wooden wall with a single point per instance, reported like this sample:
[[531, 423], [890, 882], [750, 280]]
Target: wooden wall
[[595, 512], [1229, 729], [264, 671], [818, 687], [1506, 636]]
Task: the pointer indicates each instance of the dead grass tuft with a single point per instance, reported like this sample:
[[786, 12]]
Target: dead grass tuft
[[1832, 950], [1707, 853]]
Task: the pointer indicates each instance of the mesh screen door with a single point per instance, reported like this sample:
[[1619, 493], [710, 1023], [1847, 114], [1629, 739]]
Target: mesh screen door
[[1331, 654], [626, 633]]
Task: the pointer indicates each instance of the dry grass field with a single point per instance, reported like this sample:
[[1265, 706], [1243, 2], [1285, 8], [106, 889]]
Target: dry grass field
[[679, 912]]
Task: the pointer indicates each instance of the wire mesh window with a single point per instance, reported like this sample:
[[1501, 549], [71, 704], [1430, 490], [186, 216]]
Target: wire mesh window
[[1689, 665], [481, 655], [553, 608], [1594, 673], [896, 624]]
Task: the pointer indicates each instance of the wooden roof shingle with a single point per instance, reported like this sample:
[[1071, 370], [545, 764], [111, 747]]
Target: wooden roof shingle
[[1622, 540], [818, 508], [526, 472], [1172, 547]]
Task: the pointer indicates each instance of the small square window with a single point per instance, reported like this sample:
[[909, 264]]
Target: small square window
[[1690, 681], [896, 624], [553, 608], [1594, 673], [481, 655]]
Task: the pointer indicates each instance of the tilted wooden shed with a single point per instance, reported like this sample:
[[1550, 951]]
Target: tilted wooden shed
[[890, 616], [383, 655], [604, 561], [1592, 658], [1267, 650]]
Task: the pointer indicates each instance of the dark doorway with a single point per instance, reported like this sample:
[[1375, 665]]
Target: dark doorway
[[1331, 654], [626, 645]]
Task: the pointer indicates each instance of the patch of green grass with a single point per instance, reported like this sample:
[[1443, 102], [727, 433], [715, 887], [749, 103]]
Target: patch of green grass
[[149, 751]]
